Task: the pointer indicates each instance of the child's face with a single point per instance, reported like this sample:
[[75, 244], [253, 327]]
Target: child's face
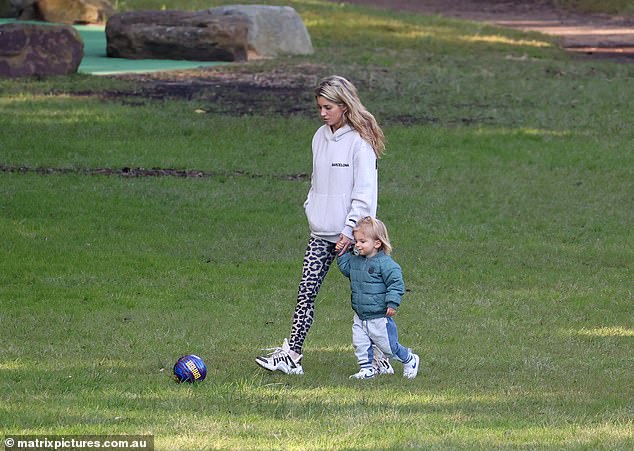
[[366, 245]]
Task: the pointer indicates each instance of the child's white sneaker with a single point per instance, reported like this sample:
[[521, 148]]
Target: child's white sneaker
[[365, 373], [410, 369], [280, 360]]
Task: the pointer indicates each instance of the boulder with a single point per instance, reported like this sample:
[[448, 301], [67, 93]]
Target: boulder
[[273, 30], [40, 50], [22, 4], [74, 11], [23, 9], [7, 9], [177, 35]]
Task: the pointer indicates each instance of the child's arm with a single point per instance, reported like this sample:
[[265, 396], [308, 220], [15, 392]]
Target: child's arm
[[394, 284], [343, 262]]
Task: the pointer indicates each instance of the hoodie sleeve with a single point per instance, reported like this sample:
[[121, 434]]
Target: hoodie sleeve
[[365, 187]]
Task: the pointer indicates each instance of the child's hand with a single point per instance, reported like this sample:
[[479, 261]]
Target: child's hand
[[390, 312], [343, 244]]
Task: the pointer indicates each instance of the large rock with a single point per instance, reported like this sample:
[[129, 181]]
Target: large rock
[[75, 11], [7, 9], [22, 9], [273, 30], [64, 11], [20, 5], [28, 49], [177, 35]]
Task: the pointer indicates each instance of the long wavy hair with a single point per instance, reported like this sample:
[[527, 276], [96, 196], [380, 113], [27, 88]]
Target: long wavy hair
[[375, 230], [340, 91]]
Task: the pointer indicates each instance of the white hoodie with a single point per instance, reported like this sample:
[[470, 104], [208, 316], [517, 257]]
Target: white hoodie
[[344, 183]]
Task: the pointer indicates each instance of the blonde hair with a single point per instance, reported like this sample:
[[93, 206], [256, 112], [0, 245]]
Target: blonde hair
[[340, 91], [375, 229]]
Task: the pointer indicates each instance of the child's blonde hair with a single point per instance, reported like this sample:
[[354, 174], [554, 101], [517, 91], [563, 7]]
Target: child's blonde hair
[[341, 92], [376, 230]]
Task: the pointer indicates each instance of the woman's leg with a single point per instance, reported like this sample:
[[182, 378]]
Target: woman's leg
[[317, 260]]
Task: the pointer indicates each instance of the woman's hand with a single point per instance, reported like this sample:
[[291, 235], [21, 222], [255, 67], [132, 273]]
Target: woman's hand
[[390, 312], [342, 245]]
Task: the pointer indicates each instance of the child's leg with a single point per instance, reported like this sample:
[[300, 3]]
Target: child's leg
[[362, 343], [383, 333]]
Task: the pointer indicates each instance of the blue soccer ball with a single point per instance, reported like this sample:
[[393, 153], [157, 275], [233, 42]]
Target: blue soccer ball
[[190, 368]]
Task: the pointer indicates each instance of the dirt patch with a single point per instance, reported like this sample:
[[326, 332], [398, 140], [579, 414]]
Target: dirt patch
[[597, 35], [235, 98], [142, 172], [236, 91]]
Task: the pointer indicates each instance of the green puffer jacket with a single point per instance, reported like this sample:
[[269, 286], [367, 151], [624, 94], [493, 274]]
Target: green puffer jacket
[[376, 283]]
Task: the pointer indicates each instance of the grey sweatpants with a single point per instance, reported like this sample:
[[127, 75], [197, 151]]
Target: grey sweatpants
[[380, 332]]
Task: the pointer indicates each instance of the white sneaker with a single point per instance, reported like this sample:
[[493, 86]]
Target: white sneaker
[[410, 370], [381, 364], [365, 373], [280, 360]]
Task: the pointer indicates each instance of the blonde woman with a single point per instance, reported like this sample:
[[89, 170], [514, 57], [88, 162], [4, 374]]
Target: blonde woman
[[377, 286], [343, 189]]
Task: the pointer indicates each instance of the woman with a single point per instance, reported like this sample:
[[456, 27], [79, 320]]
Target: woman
[[344, 189]]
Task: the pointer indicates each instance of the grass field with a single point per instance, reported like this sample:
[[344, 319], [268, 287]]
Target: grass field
[[623, 7], [508, 190]]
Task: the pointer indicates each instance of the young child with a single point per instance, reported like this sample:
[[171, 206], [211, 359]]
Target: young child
[[377, 286]]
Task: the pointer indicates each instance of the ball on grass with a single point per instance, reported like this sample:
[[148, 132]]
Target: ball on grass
[[190, 368]]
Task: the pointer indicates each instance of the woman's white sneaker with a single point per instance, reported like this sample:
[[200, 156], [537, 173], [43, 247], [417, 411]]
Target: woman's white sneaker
[[279, 359], [381, 363]]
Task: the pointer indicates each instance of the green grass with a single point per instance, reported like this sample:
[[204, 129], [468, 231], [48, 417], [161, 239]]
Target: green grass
[[623, 7], [508, 191]]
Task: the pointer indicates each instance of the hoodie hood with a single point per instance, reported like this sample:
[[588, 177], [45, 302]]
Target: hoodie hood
[[339, 133]]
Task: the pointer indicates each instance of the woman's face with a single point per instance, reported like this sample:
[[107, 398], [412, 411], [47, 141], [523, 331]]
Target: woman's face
[[331, 113]]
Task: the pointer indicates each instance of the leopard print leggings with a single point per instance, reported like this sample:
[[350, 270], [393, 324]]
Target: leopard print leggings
[[317, 260]]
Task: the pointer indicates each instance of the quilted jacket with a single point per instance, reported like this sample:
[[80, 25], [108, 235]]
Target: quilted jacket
[[376, 283]]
